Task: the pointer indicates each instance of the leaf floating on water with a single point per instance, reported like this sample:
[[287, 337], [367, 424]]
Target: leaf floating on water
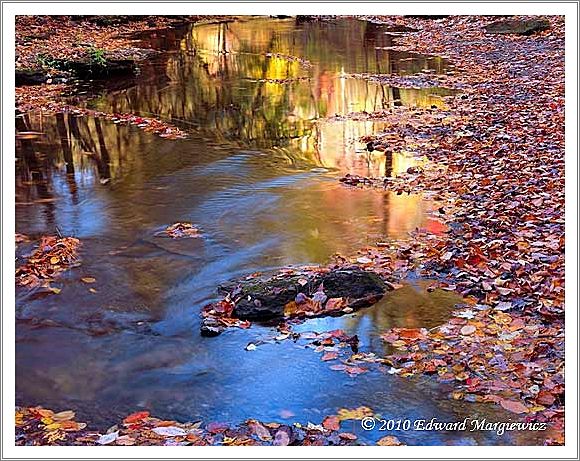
[[88, 279], [285, 414], [332, 423], [329, 356], [357, 413], [180, 230], [53, 256]]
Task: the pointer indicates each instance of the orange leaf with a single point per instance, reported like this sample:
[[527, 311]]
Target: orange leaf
[[332, 423], [135, 417]]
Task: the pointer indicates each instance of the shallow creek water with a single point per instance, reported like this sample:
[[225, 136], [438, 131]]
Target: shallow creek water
[[258, 174]]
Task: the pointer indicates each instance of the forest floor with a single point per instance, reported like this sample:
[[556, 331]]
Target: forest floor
[[497, 167]]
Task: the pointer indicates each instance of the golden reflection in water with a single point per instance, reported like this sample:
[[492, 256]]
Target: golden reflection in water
[[291, 110], [411, 306], [339, 147]]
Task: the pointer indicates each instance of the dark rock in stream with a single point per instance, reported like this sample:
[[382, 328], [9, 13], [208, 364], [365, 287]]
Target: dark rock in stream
[[265, 300], [518, 27]]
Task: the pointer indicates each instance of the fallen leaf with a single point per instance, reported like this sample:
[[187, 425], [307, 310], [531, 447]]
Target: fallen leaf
[[513, 406], [332, 423], [169, 431], [281, 439], [357, 413], [108, 438], [63, 415], [389, 441], [468, 330], [135, 417], [329, 356]]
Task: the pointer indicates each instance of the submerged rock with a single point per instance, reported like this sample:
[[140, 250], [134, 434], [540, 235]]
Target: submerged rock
[[264, 300], [518, 26]]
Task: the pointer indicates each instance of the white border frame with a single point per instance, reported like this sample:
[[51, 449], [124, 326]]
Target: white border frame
[[11, 9]]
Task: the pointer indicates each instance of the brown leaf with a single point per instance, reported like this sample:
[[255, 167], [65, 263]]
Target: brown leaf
[[389, 441]]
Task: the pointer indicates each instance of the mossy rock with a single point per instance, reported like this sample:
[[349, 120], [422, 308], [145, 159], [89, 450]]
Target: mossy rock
[[266, 299], [518, 27]]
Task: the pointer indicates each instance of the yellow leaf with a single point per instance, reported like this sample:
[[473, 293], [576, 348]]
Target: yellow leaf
[[357, 413], [54, 260], [89, 279], [52, 427], [19, 418]]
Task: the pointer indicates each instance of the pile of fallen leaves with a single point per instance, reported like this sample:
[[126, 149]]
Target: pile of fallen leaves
[[40, 426], [417, 81], [492, 356], [50, 98], [53, 256], [218, 316], [497, 152]]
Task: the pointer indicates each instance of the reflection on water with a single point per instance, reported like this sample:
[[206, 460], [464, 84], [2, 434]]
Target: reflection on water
[[259, 177], [227, 79]]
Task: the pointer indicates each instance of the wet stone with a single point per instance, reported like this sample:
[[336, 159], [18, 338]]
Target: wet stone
[[264, 300]]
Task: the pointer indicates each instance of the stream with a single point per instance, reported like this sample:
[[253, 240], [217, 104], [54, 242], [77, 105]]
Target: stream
[[259, 175]]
